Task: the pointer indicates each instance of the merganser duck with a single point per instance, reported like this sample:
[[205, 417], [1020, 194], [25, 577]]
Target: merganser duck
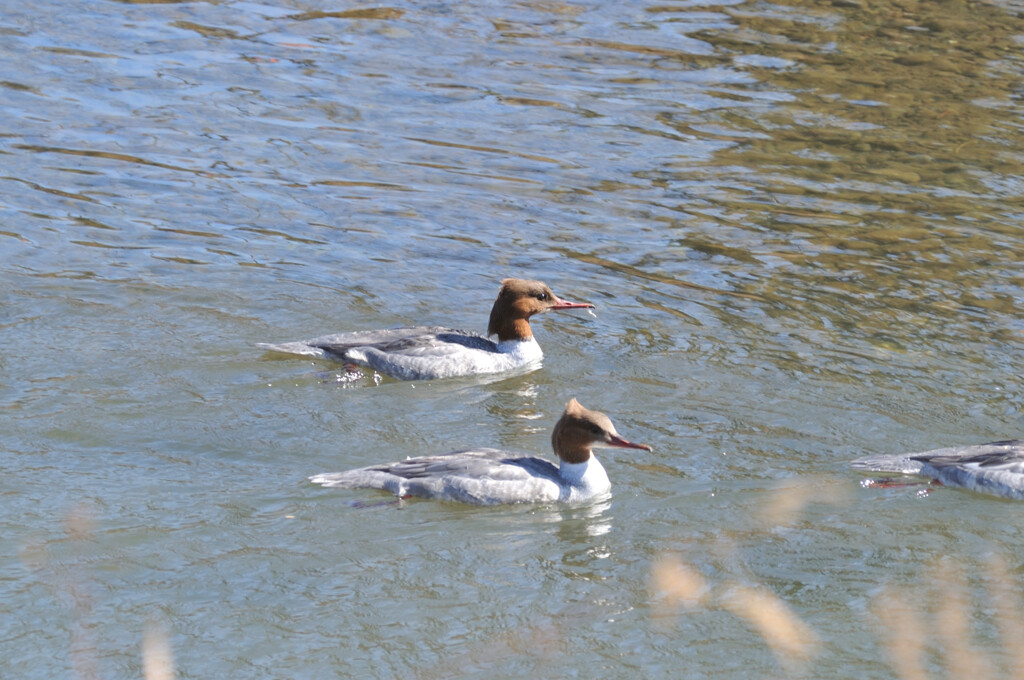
[[492, 477], [428, 352], [995, 468]]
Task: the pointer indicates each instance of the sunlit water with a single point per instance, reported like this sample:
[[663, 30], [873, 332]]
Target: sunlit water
[[801, 225]]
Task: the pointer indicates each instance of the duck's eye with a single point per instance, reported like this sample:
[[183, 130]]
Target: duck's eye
[[594, 429], [541, 296]]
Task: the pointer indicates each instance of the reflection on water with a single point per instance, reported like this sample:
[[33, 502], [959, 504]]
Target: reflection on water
[[801, 223], [879, 192], [583, 523]]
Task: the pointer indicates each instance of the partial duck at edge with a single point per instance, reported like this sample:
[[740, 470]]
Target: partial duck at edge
[[996, 468]]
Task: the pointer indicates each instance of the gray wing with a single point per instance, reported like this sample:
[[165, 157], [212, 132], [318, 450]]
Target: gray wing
[[480, 476], [417, 340], [424, 340], [994, 468]]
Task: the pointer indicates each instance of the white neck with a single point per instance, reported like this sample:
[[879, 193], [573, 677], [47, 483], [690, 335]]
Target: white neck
[[523, 350], [585, 479]]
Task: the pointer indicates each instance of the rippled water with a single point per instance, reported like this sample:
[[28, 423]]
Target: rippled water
[[800, 222]]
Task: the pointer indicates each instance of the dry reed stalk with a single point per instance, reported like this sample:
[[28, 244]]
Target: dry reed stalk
[[1007, 603], [789, 498], [677, 583], [791, 640], [953, 627], [904, 636], [157, 658]]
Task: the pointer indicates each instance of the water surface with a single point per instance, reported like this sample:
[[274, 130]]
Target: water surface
[[800, 223]]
